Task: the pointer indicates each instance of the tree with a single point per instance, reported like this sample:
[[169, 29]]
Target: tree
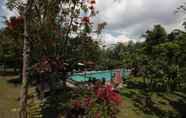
[[58, 32], [156, 36], [11, 46], [26, 60]]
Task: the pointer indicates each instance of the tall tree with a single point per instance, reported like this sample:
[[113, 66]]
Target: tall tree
[[55, 26], [156, 36], [26, 60]]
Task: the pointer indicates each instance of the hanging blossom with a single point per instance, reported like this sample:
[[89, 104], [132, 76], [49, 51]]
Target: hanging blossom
[[92, 1], [85, 19], [14, 22]]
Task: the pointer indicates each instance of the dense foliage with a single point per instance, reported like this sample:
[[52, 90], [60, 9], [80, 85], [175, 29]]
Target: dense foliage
[[160, 56], [61, 37]]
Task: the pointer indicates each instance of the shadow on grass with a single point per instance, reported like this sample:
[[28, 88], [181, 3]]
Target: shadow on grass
[[141, 85], [180, 106], [8, 73], [138, 99], [135, 85], [180, 95], [15, 81], [11, 77]]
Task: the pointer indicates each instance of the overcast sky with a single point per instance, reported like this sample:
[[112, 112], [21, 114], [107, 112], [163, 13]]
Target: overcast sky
[[129, 19]]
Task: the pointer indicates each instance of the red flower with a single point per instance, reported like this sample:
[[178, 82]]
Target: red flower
[[98, 114], [11, 25], [14, 21], [76, 104], [116, 98], [19, 19], [108, 95], [86, 19], [93, 2], [87, 101], [100, 93]]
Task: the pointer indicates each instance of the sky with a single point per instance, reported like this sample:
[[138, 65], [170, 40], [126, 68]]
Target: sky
[[1, 13], [128, 19], [4, 12]]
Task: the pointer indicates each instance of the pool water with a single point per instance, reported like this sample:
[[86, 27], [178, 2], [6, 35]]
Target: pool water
[[99, 75]]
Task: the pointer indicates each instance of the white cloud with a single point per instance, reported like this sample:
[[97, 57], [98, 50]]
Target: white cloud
[[110, 39], [9, 13], [134, 17], [129, 19], [4, 11]]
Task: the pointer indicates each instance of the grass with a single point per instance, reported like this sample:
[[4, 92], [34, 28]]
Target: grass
[[164, 104], [8, 99], [173, 103]]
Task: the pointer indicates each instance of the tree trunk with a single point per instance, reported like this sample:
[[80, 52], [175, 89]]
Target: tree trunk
[[25, 73], [25, 69]]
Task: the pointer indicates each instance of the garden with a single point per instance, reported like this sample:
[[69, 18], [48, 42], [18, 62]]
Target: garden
[[53, 64]]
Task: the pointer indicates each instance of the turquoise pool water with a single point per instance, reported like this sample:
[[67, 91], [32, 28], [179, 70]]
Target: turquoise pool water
[[107, 74]]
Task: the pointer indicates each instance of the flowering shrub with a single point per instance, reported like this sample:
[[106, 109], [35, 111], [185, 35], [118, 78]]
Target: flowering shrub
[[101, 102], [108, 95]]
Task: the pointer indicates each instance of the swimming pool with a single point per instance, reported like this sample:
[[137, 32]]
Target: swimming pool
[[99, 75]]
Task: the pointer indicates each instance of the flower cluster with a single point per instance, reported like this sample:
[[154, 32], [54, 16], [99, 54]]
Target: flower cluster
[[85, 19], [98, 114], [108, 95], [88, 102], [76, 104], [92, 1], [92, 4], [14, 22], [97, 102]]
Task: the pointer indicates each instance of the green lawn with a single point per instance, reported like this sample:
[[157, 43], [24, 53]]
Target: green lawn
[[8, 99], [132, 106], [164, 104]]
